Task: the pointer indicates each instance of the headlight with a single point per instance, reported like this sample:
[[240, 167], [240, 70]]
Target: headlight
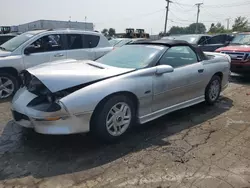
[[36, 86]]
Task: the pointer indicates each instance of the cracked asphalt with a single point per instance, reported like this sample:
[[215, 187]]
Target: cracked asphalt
[[197, 147]]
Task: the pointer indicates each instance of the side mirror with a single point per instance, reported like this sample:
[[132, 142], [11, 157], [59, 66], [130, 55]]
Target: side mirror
[[162, 69], [227, 43], [29, 50]]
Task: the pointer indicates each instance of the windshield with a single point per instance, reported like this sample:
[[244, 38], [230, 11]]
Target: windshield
[[131, 56], [241, 39], [15, 42], [123, 42], [188, 38], [114, 41]]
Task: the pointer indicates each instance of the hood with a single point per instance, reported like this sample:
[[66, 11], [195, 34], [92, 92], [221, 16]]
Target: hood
[[64, 74], [236, 48], [4, 53]]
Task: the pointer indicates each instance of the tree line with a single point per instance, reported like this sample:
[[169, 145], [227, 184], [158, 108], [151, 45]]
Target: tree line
[[240, 25], [109, 32]]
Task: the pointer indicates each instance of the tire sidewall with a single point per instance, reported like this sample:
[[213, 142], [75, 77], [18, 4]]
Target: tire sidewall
[[207, 97], [99, 122], [13, 79]]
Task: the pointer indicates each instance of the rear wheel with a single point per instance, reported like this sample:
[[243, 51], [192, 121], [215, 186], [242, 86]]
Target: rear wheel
[[8, 85], [213, 90], [114, 118]]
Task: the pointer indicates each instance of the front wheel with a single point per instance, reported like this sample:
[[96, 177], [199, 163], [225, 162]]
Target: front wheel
[[213, 90], [114, 118]]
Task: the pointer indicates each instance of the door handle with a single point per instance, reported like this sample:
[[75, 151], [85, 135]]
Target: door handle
[[58, 55], [200, 70]]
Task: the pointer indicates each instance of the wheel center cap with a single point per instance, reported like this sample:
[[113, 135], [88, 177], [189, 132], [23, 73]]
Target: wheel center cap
[[119, 119]]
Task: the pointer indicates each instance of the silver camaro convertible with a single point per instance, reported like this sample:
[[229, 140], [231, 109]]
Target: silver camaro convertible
[[133, 84]]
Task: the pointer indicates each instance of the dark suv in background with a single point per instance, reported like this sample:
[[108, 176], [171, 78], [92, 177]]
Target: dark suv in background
[[207, 43], [5, 37]]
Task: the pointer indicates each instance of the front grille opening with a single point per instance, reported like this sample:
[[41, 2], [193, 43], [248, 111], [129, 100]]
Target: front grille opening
[[18, 116]]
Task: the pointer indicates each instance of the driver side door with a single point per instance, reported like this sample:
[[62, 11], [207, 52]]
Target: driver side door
[[45, 49], [184, 84]]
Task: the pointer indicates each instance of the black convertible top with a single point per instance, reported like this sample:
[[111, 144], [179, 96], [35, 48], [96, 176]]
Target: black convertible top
[[164, 42], [171, 43]]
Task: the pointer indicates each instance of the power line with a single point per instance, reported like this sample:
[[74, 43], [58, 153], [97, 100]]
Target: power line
[[183, 20], [219, 5], [132, 17], [177, 5]]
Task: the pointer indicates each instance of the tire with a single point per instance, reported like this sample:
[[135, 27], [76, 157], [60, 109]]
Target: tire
[[8, 85], [107, 118], [213, 89]]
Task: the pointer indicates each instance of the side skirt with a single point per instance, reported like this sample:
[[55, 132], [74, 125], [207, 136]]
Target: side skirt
[[162, 112]]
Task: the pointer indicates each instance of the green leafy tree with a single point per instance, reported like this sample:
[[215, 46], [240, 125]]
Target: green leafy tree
[[218, 28], [192, 27], [111, 32], [240, 24], [188, 30], [177, 30], [105, 32]]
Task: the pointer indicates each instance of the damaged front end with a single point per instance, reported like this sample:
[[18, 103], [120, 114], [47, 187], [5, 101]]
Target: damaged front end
[[35, 106], [35, 102], [46, 101]]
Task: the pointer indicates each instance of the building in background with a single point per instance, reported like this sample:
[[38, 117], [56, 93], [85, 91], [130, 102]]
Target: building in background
[[54, 24]]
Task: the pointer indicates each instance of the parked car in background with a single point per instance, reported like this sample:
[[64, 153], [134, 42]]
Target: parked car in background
[[207, 43], [40, 46], [138, 82], [239, 51], [5, 37]]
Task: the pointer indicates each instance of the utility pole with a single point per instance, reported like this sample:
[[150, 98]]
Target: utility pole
[[198, 14], [166, 19], [85, 22], [228, 20]]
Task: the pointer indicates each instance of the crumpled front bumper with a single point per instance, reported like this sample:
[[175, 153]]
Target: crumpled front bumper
[[31, 118]]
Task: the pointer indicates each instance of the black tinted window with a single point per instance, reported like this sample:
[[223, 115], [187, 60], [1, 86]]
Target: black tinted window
[[90, 41], [219, 39], [48, 43], [74, 41], [202, 41], [4, 39], [179, 56]]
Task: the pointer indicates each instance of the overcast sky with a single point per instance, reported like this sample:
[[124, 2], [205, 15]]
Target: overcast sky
[[145, 14]]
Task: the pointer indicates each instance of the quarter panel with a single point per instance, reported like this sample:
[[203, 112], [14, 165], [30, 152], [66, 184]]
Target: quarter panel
[[217, 64]]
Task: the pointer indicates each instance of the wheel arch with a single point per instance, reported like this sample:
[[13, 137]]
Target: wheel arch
[[129, 94], [9, 70], [220, 74]]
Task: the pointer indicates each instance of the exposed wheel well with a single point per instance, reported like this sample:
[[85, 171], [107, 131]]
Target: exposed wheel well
[[220, 74], [10, 70], [102, 102]]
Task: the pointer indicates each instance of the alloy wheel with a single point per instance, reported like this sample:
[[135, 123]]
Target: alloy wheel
[[214, 90], [6, 87], [118, 119]]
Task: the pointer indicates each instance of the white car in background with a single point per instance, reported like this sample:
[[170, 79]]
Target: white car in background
[[41, 46]]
